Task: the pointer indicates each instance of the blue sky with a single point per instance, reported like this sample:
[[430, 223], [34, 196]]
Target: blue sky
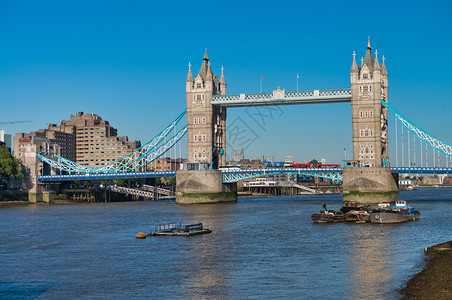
[[127, 62]]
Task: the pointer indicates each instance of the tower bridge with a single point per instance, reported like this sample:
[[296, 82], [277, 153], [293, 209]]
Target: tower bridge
[[367, 178], [206, 119]]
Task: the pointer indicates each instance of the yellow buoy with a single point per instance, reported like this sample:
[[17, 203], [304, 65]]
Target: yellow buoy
[[141, 235]]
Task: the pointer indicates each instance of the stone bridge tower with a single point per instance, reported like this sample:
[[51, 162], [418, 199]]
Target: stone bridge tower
[[206, 123], [201, 181], [368, 178]]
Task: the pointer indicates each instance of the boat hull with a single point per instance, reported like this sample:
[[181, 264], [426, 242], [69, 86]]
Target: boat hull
[[388, 217], [357, 216], [327, 217]]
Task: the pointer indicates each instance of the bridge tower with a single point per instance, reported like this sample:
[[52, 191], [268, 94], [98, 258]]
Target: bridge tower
[[206, 123], [368, 178], [201, 181]]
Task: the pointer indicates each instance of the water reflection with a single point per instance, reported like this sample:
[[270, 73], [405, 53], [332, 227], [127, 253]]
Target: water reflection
[[206, 268], [369, 260]]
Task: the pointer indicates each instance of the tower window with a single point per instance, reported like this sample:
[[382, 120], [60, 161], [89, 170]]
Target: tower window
[[198, 85], [365, 76]]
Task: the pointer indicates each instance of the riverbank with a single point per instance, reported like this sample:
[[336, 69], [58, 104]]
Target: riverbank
[[13, 195], [434, 281]]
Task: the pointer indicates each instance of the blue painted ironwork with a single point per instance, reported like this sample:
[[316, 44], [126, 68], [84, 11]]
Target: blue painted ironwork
[[420, 133], [280, 97], [423, 170], [99, 176], [135, 160], [233, 176]]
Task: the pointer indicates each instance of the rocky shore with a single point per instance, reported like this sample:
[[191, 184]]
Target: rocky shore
[[435, 280]]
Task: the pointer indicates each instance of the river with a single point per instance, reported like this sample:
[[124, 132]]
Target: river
[[260, 247]]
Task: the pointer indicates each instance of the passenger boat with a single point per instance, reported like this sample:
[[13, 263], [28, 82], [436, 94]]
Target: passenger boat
[[173, 229], [398, 213]]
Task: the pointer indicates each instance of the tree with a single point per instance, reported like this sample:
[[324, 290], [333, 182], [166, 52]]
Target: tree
[[10, 167]]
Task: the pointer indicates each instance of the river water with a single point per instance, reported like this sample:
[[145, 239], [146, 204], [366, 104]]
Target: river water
[[264, 247]]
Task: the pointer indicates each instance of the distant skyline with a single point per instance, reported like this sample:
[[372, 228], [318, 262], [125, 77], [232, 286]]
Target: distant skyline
[[128, 63]]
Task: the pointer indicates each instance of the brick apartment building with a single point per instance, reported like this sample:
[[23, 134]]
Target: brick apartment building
[[84, 138]]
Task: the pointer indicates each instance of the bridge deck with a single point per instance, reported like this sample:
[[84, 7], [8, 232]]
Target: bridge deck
[[93, 176], [280, 97]]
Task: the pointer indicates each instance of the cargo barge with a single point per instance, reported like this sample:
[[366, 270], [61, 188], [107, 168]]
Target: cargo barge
[[173, 229]]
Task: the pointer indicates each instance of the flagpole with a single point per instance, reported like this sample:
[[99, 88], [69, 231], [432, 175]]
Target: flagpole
[[261, 84], [297, 83]]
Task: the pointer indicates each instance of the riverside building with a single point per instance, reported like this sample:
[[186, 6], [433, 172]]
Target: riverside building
[[84, 138]]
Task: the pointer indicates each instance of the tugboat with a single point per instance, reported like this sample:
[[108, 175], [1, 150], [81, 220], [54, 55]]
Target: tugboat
[[172, 229], [398, 213]]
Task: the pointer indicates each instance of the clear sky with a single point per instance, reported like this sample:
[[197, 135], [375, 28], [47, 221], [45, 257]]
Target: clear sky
[[127, 61]]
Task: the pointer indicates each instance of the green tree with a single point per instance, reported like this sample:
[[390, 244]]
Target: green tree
[[10, 167]]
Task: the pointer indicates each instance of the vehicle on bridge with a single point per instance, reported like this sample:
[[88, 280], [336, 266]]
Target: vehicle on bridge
[[230, 168], [318, 165]]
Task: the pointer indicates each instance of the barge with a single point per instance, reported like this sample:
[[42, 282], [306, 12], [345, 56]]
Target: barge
[[173, 229], [398, 213]]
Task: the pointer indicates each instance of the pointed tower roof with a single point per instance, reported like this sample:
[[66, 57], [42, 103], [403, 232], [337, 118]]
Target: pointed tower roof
[[368, 59], [222, 79], [383, 67], [204, 67], [209, 74], [376, 63], [189, 75], [354, 65]]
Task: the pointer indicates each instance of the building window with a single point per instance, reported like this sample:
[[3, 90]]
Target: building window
[[365, 76], [360, 114], [204, 120], [198, 97], [198, 85], [365, 89]]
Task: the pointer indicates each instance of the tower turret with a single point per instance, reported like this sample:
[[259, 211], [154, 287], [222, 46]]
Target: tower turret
[[222, 83], [189, 81], [376, 65]]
